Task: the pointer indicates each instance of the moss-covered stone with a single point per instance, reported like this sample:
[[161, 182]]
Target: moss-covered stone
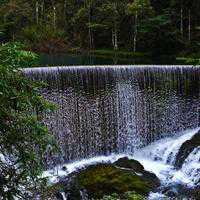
[[125, 178], [103, 179], [99, 180]]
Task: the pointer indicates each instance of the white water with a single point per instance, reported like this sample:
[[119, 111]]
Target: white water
[[59, 171], [63, 196], [160, 157], [157, 158]]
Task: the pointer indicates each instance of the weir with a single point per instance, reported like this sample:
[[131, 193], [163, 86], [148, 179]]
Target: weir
[[117, 109]]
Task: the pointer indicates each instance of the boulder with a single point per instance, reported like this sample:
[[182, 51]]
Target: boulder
[[98, 180], [186, 148], [127, 163]]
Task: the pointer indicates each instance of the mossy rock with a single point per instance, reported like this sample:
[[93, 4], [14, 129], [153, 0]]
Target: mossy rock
[[138, 168], [99, 180], [102, 179]]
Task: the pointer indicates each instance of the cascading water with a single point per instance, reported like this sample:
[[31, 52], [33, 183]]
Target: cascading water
[[117, 109], [160, 157]]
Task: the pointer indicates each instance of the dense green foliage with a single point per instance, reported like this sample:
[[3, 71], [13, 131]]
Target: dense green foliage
[[23, 136], [158, 27]]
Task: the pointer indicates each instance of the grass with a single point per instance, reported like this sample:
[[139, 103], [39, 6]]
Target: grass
[[188, 60]]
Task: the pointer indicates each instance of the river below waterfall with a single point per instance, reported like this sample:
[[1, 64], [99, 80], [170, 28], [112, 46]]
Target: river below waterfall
[[108, 112]]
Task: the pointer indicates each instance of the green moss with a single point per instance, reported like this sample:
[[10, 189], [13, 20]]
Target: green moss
[[125, 196], [103, 180], [134, 196]]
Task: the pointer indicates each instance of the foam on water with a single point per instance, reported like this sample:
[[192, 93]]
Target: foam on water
[[191, 167], [156, 196], [64, 170]]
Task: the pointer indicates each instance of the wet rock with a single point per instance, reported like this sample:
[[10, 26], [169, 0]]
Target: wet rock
[[178, 191], [186, 148], [138, 168], [64, 168], [99, 180], [129, 164], [195, 193]]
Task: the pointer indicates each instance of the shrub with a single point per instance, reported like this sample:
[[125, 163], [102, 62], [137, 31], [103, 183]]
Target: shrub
[[23, 137]]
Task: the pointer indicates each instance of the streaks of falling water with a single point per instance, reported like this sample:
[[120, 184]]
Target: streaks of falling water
[[117, 109]]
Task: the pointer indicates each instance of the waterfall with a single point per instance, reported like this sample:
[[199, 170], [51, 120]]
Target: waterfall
[[118, 109]]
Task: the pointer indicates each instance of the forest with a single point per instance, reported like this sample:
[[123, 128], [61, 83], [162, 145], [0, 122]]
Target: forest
[[154, 27]]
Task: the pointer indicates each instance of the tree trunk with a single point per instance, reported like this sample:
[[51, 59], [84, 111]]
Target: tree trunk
[[115, 37], [189, 26], [181, 25], [42, 10], [115, 31], [89, 27], [64, 12], [37, 12], [135, 33], [54, 17]]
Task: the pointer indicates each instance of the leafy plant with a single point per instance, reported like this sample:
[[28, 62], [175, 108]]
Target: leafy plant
[[23, 136]]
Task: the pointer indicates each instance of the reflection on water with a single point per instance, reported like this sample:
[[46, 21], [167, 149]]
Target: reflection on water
[[67, 59], [118, 109]]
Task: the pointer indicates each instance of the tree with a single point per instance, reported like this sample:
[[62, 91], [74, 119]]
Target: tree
[[23, 136], [138, 8], [111, 15]]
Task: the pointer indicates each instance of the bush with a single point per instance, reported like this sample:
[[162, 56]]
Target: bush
[[23, 137], [13, 57]]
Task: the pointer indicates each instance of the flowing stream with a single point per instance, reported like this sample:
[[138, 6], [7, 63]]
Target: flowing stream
[[105, 112]]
